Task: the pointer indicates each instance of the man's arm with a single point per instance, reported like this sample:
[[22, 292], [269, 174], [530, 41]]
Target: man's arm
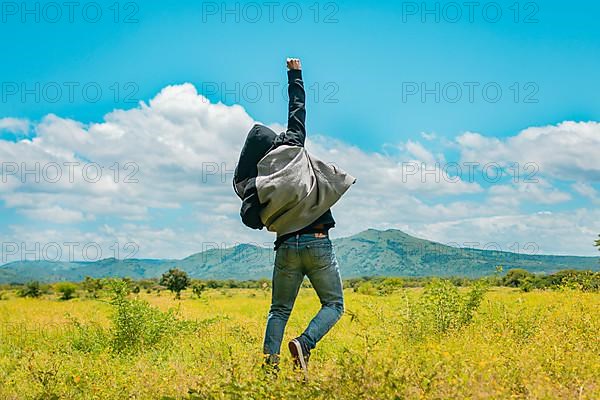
[[296, 129], [250, 211]]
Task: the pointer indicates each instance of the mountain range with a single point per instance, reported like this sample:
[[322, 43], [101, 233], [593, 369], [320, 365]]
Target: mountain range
[[368, 253]]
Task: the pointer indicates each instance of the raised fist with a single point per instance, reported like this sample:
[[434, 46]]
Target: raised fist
[[294, 63]]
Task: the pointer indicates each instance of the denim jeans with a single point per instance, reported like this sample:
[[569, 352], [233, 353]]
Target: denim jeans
[[298, 256]]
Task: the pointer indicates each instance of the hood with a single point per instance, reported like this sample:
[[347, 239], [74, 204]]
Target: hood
[[258, 142]]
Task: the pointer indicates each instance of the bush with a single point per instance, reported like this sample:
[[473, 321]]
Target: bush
[[390, 285], [585, 281], [443, 308], [367, 288], [88, 338], [517, 277], [378, 286], [92, 286], [198, 288], [31, 289], [137, 324], [571, 279], [67, 290]]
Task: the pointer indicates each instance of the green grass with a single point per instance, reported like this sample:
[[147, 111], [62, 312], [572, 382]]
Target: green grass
[[537, 345]]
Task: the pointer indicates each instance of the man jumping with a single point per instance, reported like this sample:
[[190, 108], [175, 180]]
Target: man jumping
[[290, 192]]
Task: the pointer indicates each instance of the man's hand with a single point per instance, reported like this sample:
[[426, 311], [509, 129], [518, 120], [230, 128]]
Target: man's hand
[[294, 63]]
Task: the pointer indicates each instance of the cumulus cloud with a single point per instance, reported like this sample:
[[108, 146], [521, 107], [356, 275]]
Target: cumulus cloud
[[159, 175], [568, 150], [14, 125], [544, 232], [540, 192]]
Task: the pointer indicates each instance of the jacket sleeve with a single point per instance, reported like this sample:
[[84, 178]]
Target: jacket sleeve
[[250, 211], [295, 135]]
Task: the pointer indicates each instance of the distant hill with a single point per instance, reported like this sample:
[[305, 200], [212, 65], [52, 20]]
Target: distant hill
[[369, 253], [395, 253]]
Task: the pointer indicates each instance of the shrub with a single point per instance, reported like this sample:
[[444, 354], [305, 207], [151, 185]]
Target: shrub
[[570, 279], [198, 288], [88, 338], [66, 289], [586, 281], [378, 286], [137, 324], [517, 277], [443, 308], [31, 289], [367, 288], [390, 285], [92, 286]]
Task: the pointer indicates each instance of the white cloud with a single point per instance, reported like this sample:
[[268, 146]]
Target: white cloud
[[428, 136], [388, 176], [181, 151], [587, 190], [540, 192], [566, 151], [14, 125], [419, 152], [55, 214], [566, 233]]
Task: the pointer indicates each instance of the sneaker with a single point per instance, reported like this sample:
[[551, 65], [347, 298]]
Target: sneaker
[[300, 354], [270, 364]]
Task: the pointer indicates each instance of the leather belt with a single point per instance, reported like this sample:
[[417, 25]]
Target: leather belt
[[318, 235], [317, 231]]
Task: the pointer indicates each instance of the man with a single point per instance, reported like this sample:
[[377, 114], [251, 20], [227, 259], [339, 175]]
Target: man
[[290, 192]]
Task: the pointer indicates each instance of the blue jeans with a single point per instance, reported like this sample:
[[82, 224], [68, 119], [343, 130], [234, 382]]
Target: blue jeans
[[298, 256]]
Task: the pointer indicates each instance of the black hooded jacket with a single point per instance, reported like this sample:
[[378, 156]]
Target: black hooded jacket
[[259, 142]]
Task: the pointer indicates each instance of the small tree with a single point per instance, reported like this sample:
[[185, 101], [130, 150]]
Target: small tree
[[517, 277], [31, 289], [597, 243], [67, 290], [198, 288], [175, 280]]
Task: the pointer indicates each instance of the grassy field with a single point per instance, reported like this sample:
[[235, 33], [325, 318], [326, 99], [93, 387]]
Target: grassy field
[[538, 345]]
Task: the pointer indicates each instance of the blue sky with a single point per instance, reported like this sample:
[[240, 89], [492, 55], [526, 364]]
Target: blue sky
[[367, 54], [361, 59]]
